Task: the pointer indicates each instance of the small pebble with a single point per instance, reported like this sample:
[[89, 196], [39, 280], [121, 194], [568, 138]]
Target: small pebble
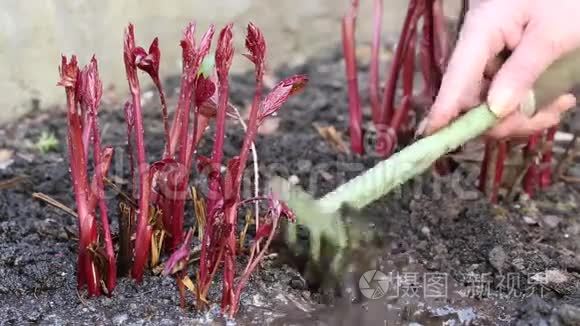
[[33, 316], [6, 158], [552, 221], [530, 220], [497, 258], [294, 179], [552, 276], [298, 283], [268, 277], [518, 263], [120, 319]]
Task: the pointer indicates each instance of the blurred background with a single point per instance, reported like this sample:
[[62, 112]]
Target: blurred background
[[33, 34]]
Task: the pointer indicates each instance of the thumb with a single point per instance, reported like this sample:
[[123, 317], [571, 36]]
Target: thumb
[[519, 73]]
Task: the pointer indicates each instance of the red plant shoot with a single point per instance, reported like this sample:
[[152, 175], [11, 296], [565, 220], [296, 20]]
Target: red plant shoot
[[546, 162], [211, 250], [256, 46], [83, 91], [143, 236], [355, 114], [374, 76], [531, 177], [149, 62], [259, 111], [92, 89]]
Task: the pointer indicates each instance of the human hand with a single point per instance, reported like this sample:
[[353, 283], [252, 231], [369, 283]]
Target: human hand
[[537, 32]]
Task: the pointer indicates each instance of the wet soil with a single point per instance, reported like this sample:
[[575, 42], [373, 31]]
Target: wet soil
[[449, 257]]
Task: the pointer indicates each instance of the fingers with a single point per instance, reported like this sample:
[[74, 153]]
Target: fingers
[[515, 78], [518, 124], [479, 41]]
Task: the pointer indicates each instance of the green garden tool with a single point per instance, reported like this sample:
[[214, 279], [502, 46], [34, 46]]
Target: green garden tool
[[338, 233]]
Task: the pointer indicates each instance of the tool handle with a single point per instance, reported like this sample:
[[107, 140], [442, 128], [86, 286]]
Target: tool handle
[[563, 76]]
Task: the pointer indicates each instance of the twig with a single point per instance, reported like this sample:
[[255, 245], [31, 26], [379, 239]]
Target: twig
[[51, 201], [120, 192], [12, 182], [570, 179], [519, 178]]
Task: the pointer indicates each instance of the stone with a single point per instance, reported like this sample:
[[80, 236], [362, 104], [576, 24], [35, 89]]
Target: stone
[[497, 258]]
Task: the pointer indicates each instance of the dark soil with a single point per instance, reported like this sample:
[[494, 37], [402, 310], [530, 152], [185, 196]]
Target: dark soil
[[492, 257]]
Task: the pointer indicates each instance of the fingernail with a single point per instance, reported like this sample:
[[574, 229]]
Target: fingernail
[[528, 104], [421, 128], [499, 102]]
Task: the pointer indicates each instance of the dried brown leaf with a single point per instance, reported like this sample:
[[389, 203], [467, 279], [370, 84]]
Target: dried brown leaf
[[333, 137]]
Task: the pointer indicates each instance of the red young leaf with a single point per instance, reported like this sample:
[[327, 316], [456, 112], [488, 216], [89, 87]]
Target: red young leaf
[[279, 209], [129, 56], [205, 44], [204, 90], [256, 45], [191, 55], [280, 94], [148, 61], [263, 231], [209, 109], [179, 258], [68, 72], [188, 46], [168, 178], [202, 162], [287, 212], [90, 87], [224, 52]]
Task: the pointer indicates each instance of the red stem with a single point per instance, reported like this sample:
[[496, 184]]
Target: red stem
[[200, 125], [441, 36], [485, 165], [87, 271], [530, 179], [159, 87], [252, 264], [232, 199], [181, 117], [402, 113], [388, 146], [499, 167], [413, 12], [355, 114], [87, 132], [100, 173], [375, 62], [427, 52], [546, 172], [143, 236], [222, 106], [106, 157], [130, 120]]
